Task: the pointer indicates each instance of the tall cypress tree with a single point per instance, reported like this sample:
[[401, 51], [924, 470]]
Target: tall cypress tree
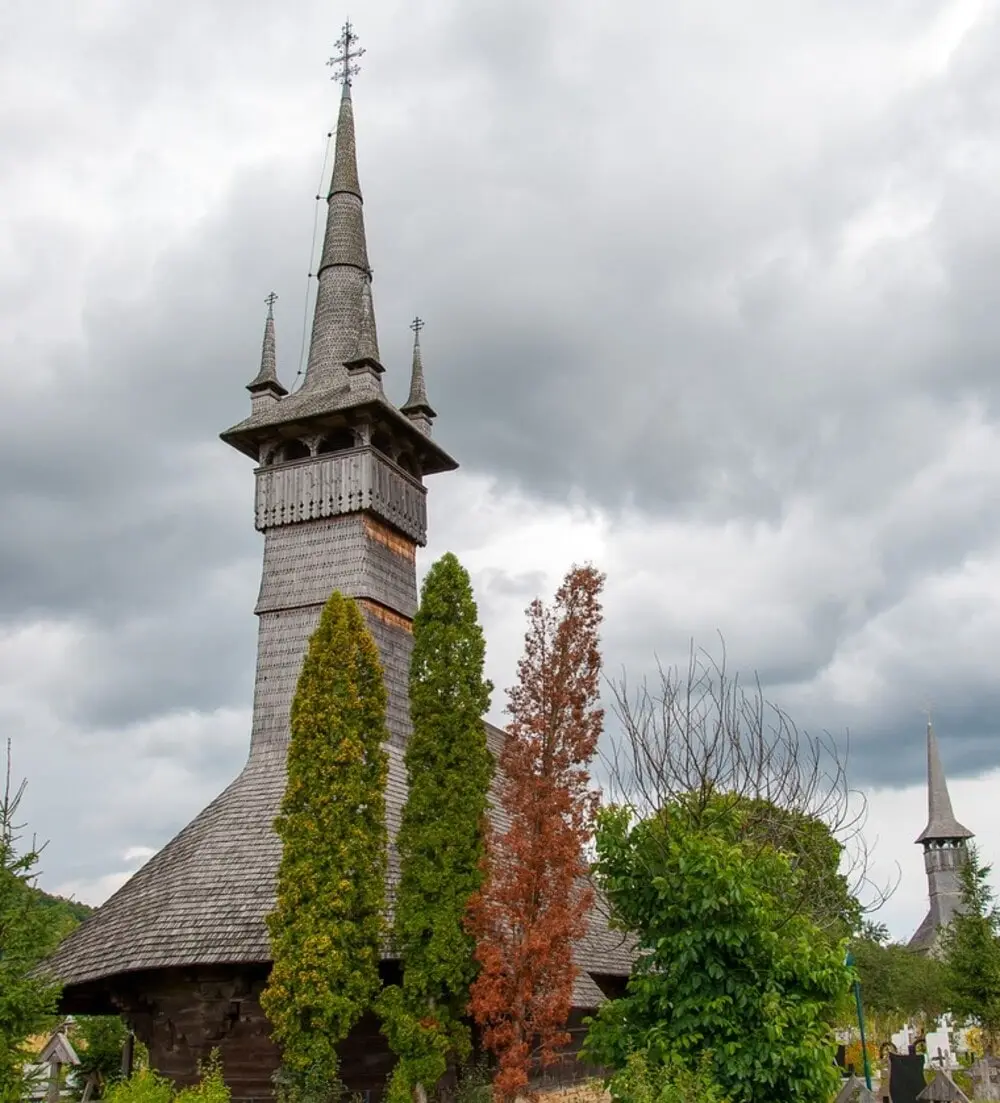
[[440, 842], [326, 930]]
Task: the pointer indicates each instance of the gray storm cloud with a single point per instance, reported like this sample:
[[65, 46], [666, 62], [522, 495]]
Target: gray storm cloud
[[722, 277]]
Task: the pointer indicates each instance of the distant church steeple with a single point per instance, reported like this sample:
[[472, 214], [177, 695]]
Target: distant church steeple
[[944, 842]]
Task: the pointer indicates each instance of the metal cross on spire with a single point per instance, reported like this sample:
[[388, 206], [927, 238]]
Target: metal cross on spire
[[271, 300], [344, 60], [417, 325]]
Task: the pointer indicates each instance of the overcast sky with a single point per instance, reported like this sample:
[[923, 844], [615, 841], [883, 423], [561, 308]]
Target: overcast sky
[[711, 299]]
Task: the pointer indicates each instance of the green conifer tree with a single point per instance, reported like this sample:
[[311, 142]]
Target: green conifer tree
[[327, 928], [971, 948], [440, 842], [26, 936]]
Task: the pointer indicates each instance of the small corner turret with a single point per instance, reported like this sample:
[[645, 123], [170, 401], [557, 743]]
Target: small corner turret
[[265, 388], [417, 408]]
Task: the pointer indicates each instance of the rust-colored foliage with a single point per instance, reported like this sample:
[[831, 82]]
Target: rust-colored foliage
[[535, 896]]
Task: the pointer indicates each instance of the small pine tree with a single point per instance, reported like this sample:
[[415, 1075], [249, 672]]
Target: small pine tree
[[534, 901], [440, 842], [327, 928], [971, 949], [26, 936]]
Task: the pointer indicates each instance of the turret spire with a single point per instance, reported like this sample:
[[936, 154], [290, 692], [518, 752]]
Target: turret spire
[[417, 408], [344, 274], [941, 822], [266, 380]]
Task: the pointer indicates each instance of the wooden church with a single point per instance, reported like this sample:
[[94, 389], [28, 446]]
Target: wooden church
[[181, 950]]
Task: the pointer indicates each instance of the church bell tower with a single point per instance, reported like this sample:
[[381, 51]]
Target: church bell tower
[[340, 494]]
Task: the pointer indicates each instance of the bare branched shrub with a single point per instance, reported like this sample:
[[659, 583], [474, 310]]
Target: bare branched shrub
[[700, 735]]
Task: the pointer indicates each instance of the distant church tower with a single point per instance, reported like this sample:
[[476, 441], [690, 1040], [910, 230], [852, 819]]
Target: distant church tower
[[944, 842]]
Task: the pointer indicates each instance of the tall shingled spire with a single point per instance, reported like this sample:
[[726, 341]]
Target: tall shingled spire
[[344, 275], [941, 822], [266, 380], [417, 408]]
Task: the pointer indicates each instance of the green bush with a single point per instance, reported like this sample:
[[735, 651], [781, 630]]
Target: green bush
[[640, 1082], [211, 1088], [144, 1086]]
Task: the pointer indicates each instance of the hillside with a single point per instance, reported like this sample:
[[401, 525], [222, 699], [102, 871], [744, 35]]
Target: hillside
[[65, 914]]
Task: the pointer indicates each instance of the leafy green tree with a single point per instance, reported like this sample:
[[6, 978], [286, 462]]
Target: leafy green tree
[[814, 852], [99, 1040], [327, 927], [898, 984], [971, 950], [26, 935], [722, 966], [440, 841]]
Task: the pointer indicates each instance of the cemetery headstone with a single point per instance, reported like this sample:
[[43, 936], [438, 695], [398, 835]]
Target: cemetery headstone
[[985, 1075], [906, 1077]]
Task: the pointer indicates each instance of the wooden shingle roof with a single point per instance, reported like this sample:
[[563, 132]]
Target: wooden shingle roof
[[204, 897]]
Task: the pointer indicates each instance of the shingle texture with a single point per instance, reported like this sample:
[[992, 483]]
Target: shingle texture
[[203, 898]]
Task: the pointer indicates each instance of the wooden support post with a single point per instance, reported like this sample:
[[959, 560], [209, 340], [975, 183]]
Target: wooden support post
[[128, 1055]]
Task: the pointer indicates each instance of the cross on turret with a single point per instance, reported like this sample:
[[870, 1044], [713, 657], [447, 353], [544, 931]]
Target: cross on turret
[[271, 299], [343, 62]]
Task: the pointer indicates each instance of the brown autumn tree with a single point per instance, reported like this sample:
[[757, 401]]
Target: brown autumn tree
[[535, 896]]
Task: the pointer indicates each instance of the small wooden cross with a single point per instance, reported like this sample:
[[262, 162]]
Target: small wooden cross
[[343, 62]]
